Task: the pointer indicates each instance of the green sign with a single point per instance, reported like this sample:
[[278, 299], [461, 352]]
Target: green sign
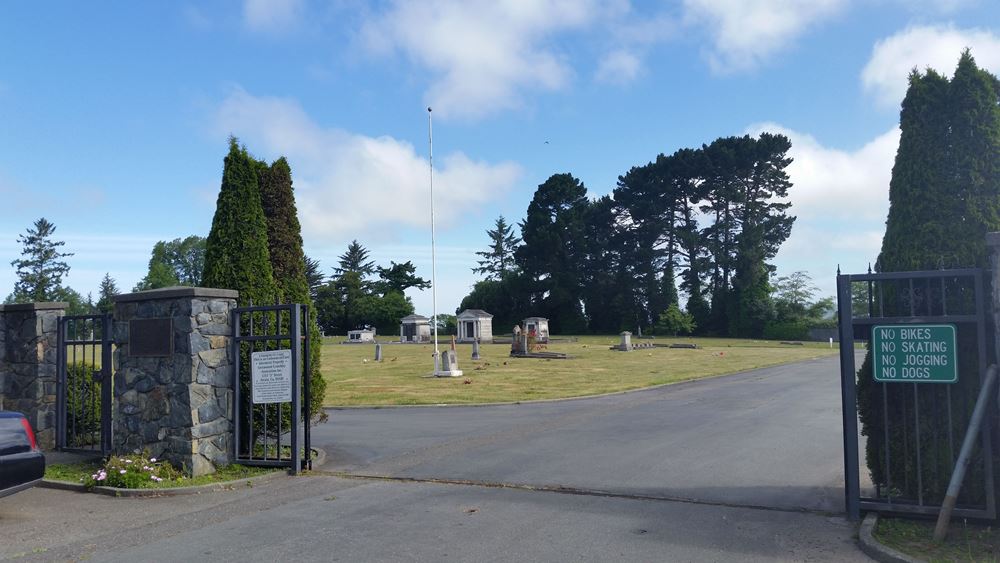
[[914, 353]]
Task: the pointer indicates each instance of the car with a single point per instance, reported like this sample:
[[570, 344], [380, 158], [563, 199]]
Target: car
[[22, 463]]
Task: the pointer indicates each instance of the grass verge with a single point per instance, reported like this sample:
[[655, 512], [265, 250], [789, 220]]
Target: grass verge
[[76, 472], [965, 542], [403, 377]]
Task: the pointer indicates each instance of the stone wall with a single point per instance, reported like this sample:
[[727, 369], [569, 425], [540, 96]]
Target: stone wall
[[178, 406], [28, 374]]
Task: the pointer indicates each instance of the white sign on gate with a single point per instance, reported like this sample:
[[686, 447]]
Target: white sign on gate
[[271, 376]]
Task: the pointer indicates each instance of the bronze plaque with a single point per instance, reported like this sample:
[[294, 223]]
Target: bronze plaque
[[150, 337]]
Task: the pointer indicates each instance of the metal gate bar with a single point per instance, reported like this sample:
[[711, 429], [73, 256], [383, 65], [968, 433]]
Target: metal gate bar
[[84, 393], [266, 330], [850, 325]]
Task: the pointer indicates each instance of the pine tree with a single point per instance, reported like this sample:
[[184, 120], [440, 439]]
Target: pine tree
[[553, 250], [499, 259], [355, 260], [288, 262], [41, 268], [236, 253], [108, 290]]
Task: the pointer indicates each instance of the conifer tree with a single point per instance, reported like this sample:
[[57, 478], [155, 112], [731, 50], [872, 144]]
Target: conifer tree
[[944, 196], [499, 259], [41, 268], [236, 253], [108, 290], [288, 261]]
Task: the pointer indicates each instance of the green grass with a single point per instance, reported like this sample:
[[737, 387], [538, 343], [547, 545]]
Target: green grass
[[965, 541], [403, 377], [75, 472]]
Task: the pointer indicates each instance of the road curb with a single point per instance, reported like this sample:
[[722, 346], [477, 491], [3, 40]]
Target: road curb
[[318, 460], [877, 551]]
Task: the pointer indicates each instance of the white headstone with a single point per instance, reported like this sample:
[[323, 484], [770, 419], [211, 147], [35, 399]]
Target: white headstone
[[626, 343]]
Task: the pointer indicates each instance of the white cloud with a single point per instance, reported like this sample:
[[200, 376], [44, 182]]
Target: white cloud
[[746, 32], [833, 183], [350, 185], [271, 15], [937, 47], [618, 67], [841, 199], [483, 55]]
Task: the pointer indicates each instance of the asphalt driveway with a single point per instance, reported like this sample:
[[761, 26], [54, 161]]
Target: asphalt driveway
[[767, 438]]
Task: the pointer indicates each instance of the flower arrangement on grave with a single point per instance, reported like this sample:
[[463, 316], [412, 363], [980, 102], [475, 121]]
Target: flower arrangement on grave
[[533, 344]]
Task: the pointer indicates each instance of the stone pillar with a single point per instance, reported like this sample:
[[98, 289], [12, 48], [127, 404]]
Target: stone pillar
[[28, 374], [174, 376]]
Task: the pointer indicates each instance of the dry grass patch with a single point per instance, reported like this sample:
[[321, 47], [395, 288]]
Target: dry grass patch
[[403, 377]]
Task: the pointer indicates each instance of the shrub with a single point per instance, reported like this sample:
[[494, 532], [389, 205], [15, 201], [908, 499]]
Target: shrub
[[132, 472]]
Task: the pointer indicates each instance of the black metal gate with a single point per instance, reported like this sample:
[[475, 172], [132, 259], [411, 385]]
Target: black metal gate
[[268, 402], [955, 297], [84, 384]]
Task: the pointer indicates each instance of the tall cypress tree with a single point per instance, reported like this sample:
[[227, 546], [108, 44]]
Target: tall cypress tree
[[236, 253], [288, 261], [944, 197]]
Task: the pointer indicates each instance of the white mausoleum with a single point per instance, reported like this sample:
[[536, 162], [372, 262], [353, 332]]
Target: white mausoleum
[[475, 324]]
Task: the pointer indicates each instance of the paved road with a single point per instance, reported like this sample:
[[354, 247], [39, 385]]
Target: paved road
[[768, 437], [764, 438]]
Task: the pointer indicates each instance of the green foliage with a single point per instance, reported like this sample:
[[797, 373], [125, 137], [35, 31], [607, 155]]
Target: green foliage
[[384, 311], [288, 262], [944, 196], [314, 277], [553, 250], [108, 290], [176, 262], [498, 260], [83, 404], [355, 260], [673, 321], [399, 278], [236, 253], [447, 324], [41, 267]]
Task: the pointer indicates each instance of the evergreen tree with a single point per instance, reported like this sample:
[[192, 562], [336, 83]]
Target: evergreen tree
[[553, 250], [355, 260], [314, 277], [108, 290], [398, 278], [944, 196], [41, 268], [499, 259], [236, 253], [288, 262]]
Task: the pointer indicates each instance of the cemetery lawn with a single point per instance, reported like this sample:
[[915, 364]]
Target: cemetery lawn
[[403, 377]]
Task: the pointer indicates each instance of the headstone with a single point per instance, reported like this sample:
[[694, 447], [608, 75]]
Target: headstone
[[449, 365], [475, 349], [378, 352], [515, 341], [626, 343], [524, 343]]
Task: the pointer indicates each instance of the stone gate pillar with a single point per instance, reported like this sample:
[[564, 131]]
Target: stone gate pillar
[[174, 376], [28, 375]]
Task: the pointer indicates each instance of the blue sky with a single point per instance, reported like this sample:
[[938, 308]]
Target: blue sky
[[115, 115]]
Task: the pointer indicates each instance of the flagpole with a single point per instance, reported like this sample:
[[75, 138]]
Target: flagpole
[[430, 145]]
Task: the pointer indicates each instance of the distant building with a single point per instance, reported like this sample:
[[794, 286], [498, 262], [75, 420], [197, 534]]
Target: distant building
[[539, 326], [415, 328], [475, 324], [361, 335]]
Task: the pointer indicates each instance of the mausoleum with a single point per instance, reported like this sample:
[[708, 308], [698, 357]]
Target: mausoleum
[[538, 326], [475, 324], [361, 335], [415, 328]]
